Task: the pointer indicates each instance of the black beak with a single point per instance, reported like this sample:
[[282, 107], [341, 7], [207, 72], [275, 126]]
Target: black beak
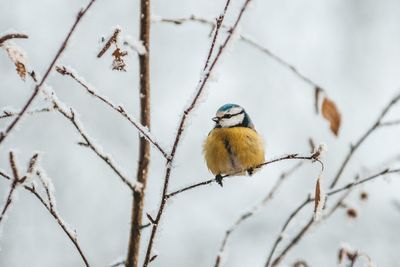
[[216, 119]]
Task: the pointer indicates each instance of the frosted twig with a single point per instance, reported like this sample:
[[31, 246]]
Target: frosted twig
[[70, 115], [49, 204], [110, 41], [15, 181], [311, 157], [348, 187], [199, 89], [351, 255], [307, 201], [89, 143], [390, 123], [10, 127], [376, 125], [254, 210], [246, 39], [12, 36], [8, 114], [142, 130], [119, 263]]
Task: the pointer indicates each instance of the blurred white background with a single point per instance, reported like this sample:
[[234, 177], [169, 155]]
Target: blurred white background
[[349, 47]]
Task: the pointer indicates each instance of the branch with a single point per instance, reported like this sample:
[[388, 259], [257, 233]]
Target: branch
[[89, 143], [377, 124], [142, 129], [307, 201], [390, 123], [313, 157], [15, 181], [8, 114], [246, 39], [49, 204], [132, 259], [208, 68], [35, 93], [254, 210], [12, 36]]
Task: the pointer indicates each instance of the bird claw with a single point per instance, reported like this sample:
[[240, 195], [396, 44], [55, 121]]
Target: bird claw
[[250, 171], [218, 179]]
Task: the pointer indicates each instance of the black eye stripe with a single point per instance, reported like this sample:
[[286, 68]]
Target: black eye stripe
[[227, 116]]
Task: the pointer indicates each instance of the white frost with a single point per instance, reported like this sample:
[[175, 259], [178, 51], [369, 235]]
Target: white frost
[[16, 53], [134, 44]]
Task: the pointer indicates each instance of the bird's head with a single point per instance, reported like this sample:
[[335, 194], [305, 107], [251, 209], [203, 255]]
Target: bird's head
[[232, 115]]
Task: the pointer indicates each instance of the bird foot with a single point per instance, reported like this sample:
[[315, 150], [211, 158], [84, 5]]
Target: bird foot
[[250, 171], [219, 178]]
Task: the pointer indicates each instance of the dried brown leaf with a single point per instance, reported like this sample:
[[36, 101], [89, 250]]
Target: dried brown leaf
[[331, 114], [18, 57], [118, 62], [21, 70], [319, 199]]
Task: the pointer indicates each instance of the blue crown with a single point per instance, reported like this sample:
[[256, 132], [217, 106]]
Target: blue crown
[[227, 107]]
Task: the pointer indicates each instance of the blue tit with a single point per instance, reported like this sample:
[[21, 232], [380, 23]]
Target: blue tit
[[233, 146]]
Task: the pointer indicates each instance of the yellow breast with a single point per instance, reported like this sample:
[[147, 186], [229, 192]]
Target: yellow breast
[[230, 150]]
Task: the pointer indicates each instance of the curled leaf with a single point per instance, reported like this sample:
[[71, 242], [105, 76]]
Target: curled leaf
[[319, 199], [331, 114], [18, 57]]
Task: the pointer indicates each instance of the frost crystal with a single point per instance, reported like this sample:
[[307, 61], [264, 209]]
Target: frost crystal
[[48, 183]]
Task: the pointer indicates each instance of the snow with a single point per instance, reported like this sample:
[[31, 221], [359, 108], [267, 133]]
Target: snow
[[134, 44], [16, 53], [155, 18], [48, 183]]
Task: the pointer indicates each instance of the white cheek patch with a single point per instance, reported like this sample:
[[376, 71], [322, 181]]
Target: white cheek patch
[[233, 121]]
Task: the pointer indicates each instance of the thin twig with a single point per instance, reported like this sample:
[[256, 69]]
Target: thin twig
[[377, 124], [15, 182], [311, 157], [143, 131], [254, 210], [50, 208], [119, 263], [246, 39], [12, 36], [110, 41], [200, 87], [390, 123], [49, 205], [35, 93], [8, 114], [309, 200], [89, 143]]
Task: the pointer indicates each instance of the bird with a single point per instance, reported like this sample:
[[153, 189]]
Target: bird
[[233, 146]]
